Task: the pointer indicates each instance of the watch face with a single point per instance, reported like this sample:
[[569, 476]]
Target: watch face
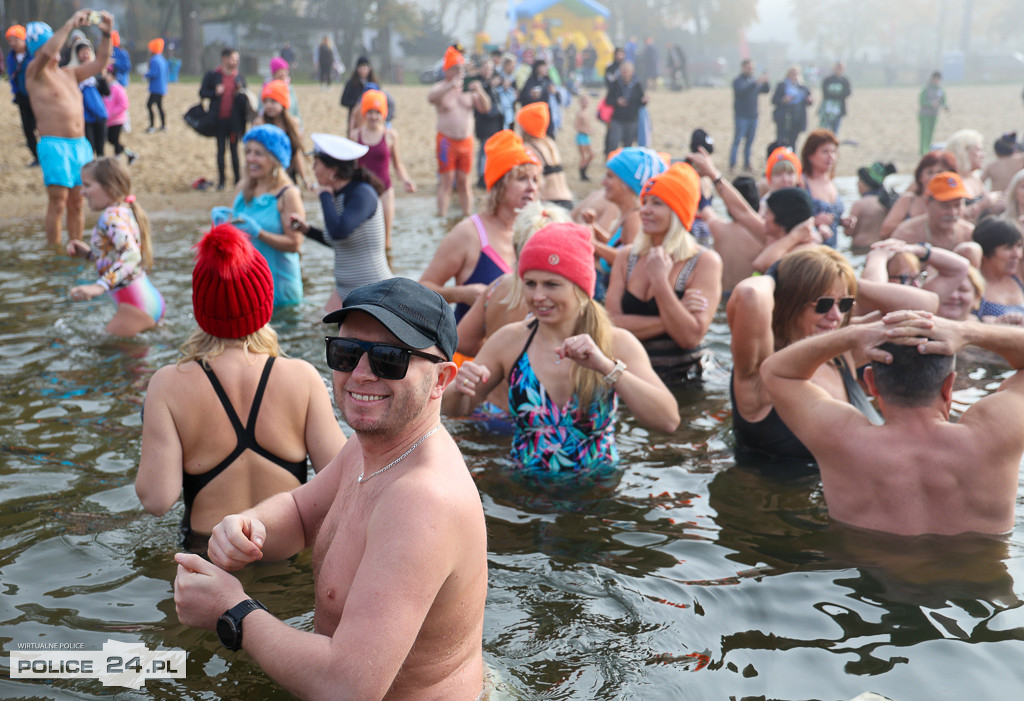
[[227, 632]]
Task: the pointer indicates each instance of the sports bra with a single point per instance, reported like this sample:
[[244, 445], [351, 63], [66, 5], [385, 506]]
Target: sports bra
[[246, 435], [489, 266]]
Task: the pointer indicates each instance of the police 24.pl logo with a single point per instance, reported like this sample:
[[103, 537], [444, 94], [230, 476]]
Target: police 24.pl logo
[[118, 664]]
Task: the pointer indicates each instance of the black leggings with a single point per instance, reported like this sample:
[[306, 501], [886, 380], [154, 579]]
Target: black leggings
[[114, 138], [157, 100], [28, 122], [96, 133], [226, 141]]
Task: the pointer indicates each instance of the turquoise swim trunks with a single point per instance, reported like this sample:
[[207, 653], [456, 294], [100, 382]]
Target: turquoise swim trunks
[[582, 139], [62, 160]]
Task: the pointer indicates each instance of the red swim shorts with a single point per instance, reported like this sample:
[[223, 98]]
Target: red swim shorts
[[454, 154]]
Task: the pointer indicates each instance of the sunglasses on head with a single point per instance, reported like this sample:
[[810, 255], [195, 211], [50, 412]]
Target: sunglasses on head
[[824, 304], [387, 361]]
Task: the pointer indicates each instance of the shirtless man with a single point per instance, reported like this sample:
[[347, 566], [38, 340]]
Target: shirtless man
[[395, 522], [60, 118], [1008, 161], [918, 473], [455, 103], [941, 225]]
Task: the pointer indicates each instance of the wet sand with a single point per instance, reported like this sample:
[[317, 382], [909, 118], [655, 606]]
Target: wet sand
[[882, 125]]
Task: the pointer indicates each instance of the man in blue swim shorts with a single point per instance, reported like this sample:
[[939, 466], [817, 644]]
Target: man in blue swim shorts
[[60, 119]]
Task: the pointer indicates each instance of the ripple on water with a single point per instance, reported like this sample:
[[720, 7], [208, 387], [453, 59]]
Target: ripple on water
[[688, 577]]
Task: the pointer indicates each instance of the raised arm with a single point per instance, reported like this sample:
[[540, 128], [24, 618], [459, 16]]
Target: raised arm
[[738, 207], [749, 313], [806, 408], [638, 386], [102, 58], [478, 377], [804, 234], [46, 53]]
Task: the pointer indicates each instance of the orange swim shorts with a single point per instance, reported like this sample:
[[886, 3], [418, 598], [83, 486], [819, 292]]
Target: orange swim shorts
[[454, 154]]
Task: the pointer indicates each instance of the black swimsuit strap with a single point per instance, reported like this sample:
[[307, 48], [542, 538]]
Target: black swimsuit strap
[[250, 425], [533, 325]]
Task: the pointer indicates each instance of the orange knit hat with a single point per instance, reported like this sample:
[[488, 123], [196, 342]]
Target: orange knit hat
[[534, 118], [156, 46], [782, 153], [277, 90], [115, 38], [375, 100], [16, 30], [504, 151], [679, 188], [453, 57]]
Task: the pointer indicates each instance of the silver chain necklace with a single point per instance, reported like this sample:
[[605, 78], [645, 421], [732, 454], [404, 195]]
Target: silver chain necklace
[[363, 477]]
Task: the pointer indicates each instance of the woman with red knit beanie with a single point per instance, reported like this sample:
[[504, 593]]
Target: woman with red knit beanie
[[231, 423], [567, 368]]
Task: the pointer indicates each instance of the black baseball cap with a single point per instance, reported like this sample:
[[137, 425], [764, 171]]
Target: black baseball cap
[[416, 315]]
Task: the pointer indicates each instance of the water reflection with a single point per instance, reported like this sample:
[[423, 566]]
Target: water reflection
[[690, 577]]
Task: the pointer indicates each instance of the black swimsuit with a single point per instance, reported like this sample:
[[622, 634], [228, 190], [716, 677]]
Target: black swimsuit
[[675, 365], [771, 439], [246, 435]]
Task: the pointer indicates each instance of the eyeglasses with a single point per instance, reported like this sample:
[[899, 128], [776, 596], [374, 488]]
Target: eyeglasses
[[824, 304], [906, 279], [388, 362]]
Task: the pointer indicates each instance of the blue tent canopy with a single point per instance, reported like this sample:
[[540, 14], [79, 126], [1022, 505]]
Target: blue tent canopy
[[584, 8]]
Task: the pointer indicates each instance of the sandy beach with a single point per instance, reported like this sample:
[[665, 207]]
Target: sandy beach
[[881, 125]]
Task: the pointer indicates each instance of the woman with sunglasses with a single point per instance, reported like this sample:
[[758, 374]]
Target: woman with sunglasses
[[809, 292], [665, 288], [566, 368], [921, 266], [232, 422]]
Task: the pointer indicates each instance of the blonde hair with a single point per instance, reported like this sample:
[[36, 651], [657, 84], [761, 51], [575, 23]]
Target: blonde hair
[[802, 277], [496, 194], [678, 243], [202, 346], [279, 175], [593, 320], [908, 259], [113, 177], [531, 219], [959, 144]]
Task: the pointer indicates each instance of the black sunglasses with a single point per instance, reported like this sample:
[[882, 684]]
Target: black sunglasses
[[824, 304], [388, 362]]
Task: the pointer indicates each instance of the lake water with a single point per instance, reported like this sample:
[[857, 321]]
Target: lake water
[[692, 578]]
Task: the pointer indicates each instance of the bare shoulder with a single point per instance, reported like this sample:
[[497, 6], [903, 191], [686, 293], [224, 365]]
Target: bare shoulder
[[170, 377], [625, 345], [299, 369]]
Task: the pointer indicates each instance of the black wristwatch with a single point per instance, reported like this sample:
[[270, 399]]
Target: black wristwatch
[[229, 625]]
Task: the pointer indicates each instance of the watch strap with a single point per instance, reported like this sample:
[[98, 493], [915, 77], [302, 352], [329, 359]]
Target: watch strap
[[612, 377], [235, 614]]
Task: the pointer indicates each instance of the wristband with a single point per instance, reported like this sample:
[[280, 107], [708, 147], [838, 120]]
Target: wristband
[[717, 180], [927, 252]]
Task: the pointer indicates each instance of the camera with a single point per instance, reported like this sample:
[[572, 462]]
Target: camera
[[95, 17]]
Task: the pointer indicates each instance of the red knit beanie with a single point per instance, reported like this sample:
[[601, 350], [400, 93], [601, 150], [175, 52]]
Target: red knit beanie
[[565, 249], [232, 289]]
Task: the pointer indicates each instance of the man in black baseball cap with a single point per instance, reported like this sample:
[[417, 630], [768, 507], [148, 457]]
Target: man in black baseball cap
[[395, 523], [417, 316]]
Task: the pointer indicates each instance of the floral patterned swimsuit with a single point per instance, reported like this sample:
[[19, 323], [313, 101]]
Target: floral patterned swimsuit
[[549, 440]]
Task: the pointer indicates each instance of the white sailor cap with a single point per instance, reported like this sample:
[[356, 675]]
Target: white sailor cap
[[338, 147]]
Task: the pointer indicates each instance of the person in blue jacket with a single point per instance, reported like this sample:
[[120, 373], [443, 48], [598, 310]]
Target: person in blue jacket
[[157, 75], [17, 61], [93, 88], [121, 59]]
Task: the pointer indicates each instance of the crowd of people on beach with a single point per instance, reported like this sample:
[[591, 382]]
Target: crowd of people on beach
[[539, 314]]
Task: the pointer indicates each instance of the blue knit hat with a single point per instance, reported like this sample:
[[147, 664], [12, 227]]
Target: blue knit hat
[[37, 34], [274, 140], [635, 166]]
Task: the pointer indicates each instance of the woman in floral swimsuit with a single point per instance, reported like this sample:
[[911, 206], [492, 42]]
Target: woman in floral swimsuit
[[567, 368]]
